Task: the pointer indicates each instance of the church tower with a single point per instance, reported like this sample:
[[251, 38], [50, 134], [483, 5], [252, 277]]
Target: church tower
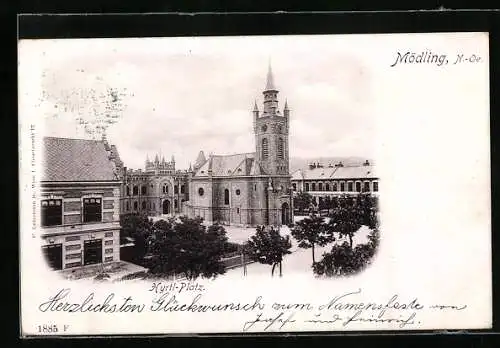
[[271, 131]]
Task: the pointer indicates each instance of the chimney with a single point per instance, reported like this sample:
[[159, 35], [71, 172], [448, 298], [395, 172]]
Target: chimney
[[312, 165], [367, 163]]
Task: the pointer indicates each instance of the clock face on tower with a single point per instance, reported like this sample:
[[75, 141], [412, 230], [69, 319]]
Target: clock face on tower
[[264, 128]]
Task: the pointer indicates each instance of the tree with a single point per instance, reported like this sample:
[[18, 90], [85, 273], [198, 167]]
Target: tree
[[302, 201], [185, 246], [345, 220], [345, 260], [311, 231], [268, 247], [140, 228]]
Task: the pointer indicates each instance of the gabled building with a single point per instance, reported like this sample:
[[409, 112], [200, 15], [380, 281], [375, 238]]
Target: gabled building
[[80, 202], [250, 188]]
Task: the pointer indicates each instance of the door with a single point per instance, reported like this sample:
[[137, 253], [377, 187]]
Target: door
[[166, 207], [285, 214], [92, 251], [53, 255]]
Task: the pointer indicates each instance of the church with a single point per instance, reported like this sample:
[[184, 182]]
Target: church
[[247, 189]]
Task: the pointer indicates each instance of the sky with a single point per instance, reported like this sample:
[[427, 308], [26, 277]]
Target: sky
[[181, 95]]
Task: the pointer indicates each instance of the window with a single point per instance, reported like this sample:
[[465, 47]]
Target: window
[[135, 205], [143, 205], [255, 187], [165, 188], [128, 191], [358, 186], [128, 206], [108, 258], [313, 186], [176, 189], [238, 192], [183, 189], [143, 190], [51, 212], [334, 186], [226, 196], [294, 185], [375, 186], [154, 206], [320, 186], [342, 186], [265, 149], [349, 186], [92, 209], [175, 203], [201, 191], [327, 187], [135, 190], [237, 210], [108, 242], [264, 128], [281, 150], [307, 186], [366, 187]]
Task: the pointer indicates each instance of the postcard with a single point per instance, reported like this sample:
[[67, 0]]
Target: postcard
[[254, 184]]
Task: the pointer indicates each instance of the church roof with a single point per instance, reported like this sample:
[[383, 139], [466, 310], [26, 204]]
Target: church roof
[[270, 80], [229, 165], [77, 160], [200, 160], [335, 173]]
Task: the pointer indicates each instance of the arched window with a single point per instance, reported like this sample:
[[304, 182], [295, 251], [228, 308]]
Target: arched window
[[320, 186], [358, 186], [342, 186], [226, 196], [281, 150], [183, 189], [349, 186], [144, 205], [128, 192], [327, 187], [265, 148], [375, 186], [307, 186], [143, 190], [176, 189], [313, 186], [135, 205], [136, 190], [128, 206], [334, 186], [366, 187]]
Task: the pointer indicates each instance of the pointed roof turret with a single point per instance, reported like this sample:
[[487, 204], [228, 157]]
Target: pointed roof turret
[[286, 105], [163, 159], [200, 159], [270, 79], [156, 158], [255, 108], [173, 159]]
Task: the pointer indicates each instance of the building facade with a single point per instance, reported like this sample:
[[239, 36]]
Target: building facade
[[158, 190], [249, 188], [336, 180], [80, 202]]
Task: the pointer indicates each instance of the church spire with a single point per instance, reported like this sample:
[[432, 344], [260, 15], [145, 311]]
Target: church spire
[[270, 79], [255, 108]]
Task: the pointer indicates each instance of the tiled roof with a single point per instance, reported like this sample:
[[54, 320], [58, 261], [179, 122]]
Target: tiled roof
[[76, 160], [229, 165], [345, 172]]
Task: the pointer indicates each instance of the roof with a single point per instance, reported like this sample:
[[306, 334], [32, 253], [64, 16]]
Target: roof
[[270, 80], [200, 160], [71, 160], [230, 165], [346, 172]]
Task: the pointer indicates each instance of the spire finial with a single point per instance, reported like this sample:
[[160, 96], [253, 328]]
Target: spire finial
[[255, 108], [286, 104], [270, 79]]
